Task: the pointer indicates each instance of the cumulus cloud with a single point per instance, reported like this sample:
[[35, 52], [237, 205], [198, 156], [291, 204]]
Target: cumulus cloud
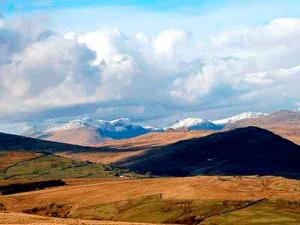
[[167, 42], [40, 69], [255, 66]]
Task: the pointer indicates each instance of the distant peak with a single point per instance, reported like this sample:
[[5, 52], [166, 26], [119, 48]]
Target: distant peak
[[186, 123], [241, 116], [192, 123]]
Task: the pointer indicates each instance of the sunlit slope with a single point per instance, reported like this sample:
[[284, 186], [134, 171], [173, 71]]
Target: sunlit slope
[[191, 200]]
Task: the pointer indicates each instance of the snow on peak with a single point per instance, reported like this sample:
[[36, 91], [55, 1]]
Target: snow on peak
[[79, 123], [72, 124], [121, 121], [241, 116], [186, 123]]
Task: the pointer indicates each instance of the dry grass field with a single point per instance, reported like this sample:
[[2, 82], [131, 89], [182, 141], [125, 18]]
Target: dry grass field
[[22, 218], [98, 194], [190, 200], [133, 146], [9, 158], [154, 139]]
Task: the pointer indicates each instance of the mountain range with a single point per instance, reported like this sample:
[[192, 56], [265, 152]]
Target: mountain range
[[91, 132], [88, 131], [241, 151]]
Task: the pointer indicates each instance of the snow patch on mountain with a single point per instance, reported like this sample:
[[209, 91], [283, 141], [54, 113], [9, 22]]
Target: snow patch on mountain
[[194, 124], [115, 129], [73, 124], [186, 123], [241, 116]]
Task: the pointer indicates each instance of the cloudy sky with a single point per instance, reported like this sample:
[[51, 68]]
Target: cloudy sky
[[150, 61]]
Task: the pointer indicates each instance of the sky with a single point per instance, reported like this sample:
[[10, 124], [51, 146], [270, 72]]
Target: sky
[[151, 61]]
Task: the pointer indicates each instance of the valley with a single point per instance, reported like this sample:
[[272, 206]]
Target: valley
[[173, 177]]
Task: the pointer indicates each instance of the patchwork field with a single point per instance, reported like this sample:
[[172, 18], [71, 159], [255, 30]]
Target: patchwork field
[[190, 200]]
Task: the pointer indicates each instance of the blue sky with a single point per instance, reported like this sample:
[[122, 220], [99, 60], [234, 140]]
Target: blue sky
[[203, 17], [31, 5], [148, 60]]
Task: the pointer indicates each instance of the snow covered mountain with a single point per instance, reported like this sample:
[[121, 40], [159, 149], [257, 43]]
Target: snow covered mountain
[[92, 131], [241, 116], [203, 124], [88, 131], [194, 124]]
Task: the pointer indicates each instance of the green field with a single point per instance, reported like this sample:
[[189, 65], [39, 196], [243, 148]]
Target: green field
[[154, 209], [276, 212], [51, 166]]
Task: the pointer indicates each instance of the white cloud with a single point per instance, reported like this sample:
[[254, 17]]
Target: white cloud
[[256, 66], [43, 70], [47, 72], [167, 42]]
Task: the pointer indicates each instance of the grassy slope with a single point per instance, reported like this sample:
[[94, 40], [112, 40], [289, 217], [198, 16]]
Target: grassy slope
[[9, 158], [204, 200], [276, 212], [49, 166], [156, 210]]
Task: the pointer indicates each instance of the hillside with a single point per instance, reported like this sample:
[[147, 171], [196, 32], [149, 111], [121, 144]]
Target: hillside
[[191, 200], [11, 142], [243, 151], [122, 149], [28, 158], [284, 123]]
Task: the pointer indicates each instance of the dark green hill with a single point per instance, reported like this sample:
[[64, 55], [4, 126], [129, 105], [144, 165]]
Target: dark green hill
[[243, 151]]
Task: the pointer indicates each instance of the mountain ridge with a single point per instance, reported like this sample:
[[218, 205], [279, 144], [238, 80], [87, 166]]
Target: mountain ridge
[[92, 132]]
